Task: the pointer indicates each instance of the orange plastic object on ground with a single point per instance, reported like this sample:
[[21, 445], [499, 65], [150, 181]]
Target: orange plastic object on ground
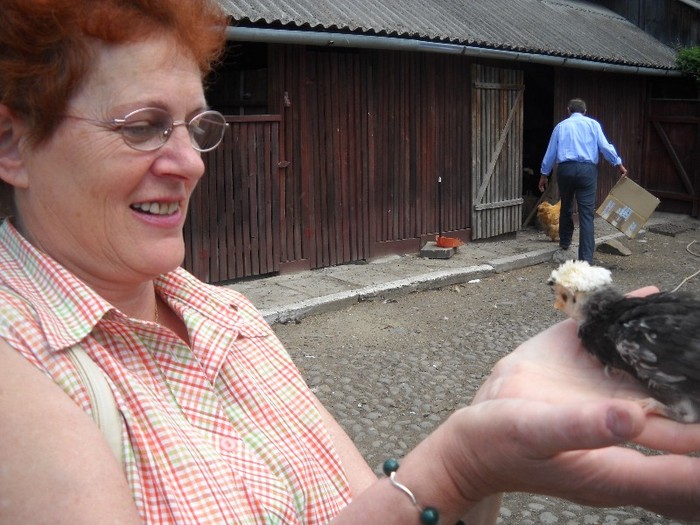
[[447, 242]]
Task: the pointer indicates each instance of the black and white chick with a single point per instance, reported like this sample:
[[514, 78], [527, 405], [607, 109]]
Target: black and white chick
[[655, 338]]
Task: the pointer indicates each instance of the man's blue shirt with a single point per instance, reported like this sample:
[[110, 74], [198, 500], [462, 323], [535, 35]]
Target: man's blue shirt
[[578, 138]]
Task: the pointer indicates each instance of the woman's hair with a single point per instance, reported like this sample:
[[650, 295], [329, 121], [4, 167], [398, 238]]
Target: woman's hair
[[46, 46]]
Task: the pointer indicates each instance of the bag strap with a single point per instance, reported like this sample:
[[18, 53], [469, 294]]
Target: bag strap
[[105, 412]]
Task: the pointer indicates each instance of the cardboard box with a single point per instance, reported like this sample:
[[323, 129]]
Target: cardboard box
[[628, 207]]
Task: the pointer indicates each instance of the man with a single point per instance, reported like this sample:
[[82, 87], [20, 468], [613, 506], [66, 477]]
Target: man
[[574, 146]]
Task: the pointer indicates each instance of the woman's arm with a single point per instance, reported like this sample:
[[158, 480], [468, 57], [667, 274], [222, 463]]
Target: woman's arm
[[55, 466], [360, 475]]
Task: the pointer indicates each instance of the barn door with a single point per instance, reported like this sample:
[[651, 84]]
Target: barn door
[[232, 230], [672, 160], [339, 160], [497, 145]]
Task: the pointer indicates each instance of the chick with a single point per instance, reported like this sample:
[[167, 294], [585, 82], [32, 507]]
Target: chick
[[655, 338]]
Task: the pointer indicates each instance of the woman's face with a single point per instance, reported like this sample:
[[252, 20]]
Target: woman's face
[[85, 192]]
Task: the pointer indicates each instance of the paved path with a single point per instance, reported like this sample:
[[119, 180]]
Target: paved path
[[283, 298]]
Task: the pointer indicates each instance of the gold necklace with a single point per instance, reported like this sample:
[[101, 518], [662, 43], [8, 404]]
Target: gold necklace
[[155, 311]]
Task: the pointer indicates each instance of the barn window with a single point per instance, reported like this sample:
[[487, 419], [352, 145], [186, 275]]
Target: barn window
[[239, 84]]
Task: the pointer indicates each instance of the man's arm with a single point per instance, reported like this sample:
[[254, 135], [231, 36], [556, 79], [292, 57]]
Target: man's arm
[[608, 150], [550, 155]]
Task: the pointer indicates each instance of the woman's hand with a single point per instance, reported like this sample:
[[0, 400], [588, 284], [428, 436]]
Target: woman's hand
[[547, 420], [566, 450], [553, 367]]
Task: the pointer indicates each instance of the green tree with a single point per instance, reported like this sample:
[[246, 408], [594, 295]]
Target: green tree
[[688, 61]]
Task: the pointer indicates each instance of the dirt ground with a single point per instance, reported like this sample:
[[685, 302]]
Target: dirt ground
[[391, 370]]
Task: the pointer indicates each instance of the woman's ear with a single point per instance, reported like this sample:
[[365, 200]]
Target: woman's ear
[[13, 133]]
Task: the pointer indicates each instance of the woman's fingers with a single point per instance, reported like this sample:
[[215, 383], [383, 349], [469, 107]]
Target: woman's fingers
[[571, 451]]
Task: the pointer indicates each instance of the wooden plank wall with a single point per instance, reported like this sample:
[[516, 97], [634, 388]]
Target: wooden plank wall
[[232, 228], [286, 98], [364, 136], [618, 103], [338, 154], [674, 22], [368, 133], [6, 205], [422, 133]]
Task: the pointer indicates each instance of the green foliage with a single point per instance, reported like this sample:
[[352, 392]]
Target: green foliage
[[688, 61]]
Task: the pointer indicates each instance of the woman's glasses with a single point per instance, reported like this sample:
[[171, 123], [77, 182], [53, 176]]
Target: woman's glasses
[[148, 129]]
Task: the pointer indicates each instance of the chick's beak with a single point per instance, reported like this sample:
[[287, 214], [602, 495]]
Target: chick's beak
[[558, 303], [560, 296]]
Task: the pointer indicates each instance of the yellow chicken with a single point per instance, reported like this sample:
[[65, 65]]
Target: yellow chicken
[[548, 216]]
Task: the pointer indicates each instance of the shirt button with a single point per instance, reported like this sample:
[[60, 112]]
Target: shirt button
[[228, 444]]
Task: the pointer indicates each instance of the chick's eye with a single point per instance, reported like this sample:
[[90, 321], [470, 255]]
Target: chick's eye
[[564, 297]]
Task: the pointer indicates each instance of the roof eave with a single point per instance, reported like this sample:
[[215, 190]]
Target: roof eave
[[336, 39]]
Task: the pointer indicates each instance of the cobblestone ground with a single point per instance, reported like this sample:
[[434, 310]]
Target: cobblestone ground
[[390, 371]]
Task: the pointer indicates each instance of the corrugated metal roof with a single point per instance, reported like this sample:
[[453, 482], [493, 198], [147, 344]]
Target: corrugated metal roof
[[566, 28]]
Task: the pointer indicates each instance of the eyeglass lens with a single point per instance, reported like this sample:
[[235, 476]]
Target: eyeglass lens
[[148, 129], [206, 130]]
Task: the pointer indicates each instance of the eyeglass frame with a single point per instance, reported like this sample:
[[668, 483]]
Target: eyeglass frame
[[118, 125]]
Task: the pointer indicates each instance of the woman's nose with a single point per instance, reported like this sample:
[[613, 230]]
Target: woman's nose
[[179, 156]]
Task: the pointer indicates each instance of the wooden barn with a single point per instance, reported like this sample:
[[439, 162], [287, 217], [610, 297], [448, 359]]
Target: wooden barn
[[361, 128], [365, 128]]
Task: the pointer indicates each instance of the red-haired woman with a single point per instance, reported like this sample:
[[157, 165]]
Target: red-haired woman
[[102, 121]]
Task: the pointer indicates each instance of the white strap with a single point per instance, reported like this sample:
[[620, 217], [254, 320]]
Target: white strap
[[104, 408]]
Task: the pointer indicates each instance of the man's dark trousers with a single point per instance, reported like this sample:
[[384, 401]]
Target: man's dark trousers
[[578, 180]]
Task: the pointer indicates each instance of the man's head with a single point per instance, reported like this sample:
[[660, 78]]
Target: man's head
[[576, 105]]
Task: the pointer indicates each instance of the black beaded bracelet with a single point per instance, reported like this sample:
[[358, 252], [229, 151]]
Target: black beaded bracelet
[[428, 515]]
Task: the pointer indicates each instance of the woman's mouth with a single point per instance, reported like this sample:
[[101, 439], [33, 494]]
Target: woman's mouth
[[156, 208]]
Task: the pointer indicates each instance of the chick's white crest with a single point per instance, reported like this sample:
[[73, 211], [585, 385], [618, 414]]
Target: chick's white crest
[[579, 276]]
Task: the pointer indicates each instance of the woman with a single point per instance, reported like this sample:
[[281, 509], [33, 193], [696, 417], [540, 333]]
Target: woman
[[102, 121]]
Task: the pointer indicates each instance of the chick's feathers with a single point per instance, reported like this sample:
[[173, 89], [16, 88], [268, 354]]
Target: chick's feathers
[[655, 338]]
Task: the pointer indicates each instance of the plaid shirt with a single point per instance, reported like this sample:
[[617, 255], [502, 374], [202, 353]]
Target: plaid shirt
[[221, 431]]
